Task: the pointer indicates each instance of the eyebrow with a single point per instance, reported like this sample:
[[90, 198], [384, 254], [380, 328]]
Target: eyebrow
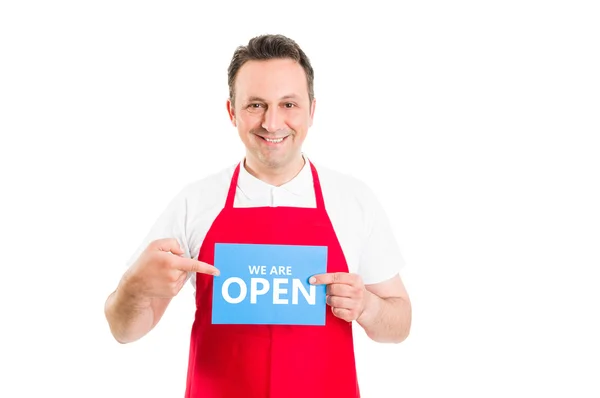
[[285, 97]]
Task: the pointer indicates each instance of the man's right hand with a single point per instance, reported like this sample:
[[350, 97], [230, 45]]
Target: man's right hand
[[161, 272]]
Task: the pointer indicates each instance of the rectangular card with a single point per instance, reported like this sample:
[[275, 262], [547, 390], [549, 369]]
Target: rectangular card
[[268, 284]]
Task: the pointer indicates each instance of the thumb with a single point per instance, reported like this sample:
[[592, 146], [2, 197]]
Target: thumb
[[167, 245]]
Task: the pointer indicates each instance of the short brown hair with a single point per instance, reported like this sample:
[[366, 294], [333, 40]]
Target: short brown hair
[[269, 46]]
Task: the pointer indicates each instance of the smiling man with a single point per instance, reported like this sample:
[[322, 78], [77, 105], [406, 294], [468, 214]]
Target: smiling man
[[284, 255]]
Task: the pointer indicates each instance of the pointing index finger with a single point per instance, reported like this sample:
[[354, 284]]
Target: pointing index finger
[[191, 265], [329, 278]]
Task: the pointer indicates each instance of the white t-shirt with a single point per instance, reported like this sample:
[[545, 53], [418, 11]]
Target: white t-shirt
[[358, 219]]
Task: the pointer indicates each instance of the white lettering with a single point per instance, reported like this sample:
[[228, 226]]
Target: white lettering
[[277, 290], [281, 270], [225, 290], [298, 286], [253, 288], [261, 286], [254, 269]]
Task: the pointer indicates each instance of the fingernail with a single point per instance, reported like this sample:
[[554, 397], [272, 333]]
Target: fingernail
[[312, 279]]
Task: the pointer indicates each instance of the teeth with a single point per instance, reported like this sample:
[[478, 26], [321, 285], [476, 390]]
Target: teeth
[[274, 141]]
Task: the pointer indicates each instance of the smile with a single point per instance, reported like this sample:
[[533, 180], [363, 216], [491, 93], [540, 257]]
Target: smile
[[274, 140]]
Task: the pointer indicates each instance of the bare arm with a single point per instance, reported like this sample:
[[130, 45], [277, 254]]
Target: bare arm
[[387, 313], [131, 317], [147, 288]]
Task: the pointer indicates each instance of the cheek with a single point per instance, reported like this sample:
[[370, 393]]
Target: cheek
[[247, 122], [298, 122]]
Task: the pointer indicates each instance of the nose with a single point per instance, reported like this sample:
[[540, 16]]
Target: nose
[[273, 120]]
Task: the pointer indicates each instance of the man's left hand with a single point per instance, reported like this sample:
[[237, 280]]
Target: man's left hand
[[346, 294]]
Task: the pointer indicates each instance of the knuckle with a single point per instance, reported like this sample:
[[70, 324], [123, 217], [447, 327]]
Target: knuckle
[[165, 263], [173, 277], [155, 243], [156, 256], [334, 301]]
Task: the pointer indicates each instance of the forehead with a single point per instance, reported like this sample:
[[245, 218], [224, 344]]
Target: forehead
[[271, 79]]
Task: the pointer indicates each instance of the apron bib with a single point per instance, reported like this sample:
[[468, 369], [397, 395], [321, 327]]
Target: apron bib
[[270, 361]]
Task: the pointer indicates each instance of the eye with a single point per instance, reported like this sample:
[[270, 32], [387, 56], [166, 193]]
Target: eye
[[289, 105], [255, 107]]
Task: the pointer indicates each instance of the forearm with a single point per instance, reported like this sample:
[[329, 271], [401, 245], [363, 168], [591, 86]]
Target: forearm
[[129, 317], [386, 320]]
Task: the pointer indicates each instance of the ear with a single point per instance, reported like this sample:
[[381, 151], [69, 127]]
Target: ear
[[231, 112], [312, 111]]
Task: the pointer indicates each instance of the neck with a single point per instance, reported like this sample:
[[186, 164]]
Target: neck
[[275, 176]]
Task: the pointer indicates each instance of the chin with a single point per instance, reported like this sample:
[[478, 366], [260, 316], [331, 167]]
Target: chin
[[272, 161]]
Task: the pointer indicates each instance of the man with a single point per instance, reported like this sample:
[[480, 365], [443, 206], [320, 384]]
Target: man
[[274, 196]]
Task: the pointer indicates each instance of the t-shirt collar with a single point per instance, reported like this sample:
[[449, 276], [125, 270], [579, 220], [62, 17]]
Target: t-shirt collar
[[256, 189]]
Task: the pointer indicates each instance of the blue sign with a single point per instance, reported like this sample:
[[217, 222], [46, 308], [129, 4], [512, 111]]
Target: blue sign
[[268, 284]]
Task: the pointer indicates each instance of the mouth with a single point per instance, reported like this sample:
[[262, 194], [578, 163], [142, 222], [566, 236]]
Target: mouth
[[274, 141]]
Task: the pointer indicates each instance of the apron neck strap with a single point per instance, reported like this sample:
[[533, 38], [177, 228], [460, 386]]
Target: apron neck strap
[[317, 186]]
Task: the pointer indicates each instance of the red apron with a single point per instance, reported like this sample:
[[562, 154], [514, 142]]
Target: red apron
[[270, 361]]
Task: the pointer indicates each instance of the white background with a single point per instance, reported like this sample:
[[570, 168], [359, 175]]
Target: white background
[[476, 123]]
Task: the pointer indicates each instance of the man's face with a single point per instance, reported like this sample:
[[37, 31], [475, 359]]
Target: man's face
[[272, 110]]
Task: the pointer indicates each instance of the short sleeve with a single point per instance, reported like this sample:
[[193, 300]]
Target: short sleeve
[[380, 258], [171, 223]]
